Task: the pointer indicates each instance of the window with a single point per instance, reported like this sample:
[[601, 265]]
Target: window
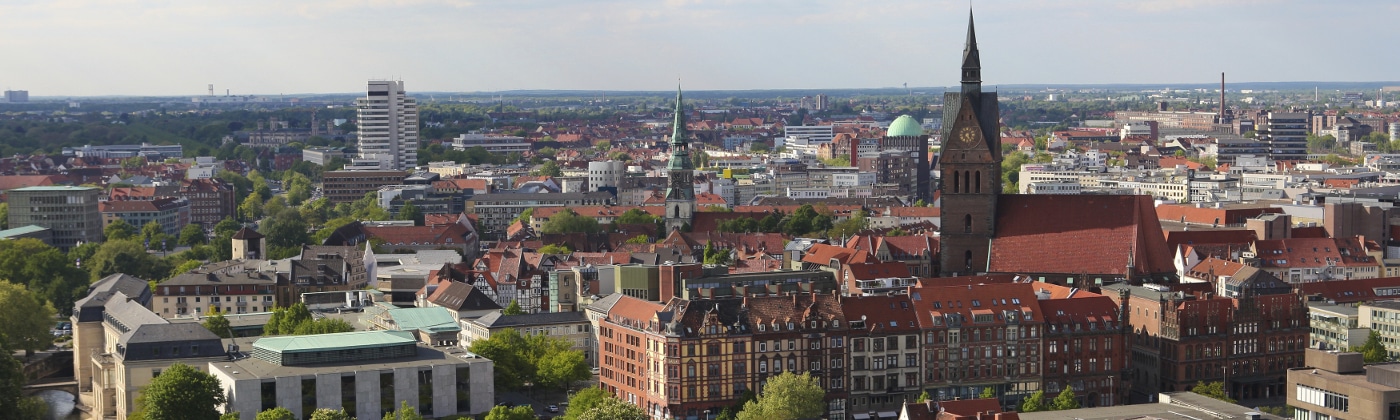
[[967, 224]]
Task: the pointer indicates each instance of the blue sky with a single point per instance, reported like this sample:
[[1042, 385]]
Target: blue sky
[[177, 47]]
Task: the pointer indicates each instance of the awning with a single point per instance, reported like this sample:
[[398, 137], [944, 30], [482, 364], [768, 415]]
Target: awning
[[888, 415], [861, 416]]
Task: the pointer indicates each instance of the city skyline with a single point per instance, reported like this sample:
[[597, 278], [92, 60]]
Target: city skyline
[[177, 49]]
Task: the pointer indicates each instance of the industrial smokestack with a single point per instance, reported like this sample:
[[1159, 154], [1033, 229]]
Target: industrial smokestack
[[1222, 96]]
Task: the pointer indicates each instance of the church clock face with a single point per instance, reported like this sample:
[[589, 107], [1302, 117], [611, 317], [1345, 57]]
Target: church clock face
[[967, 134]]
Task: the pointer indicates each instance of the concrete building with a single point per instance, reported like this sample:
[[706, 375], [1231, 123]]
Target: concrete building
[[1335, 327], [367, 373], [573, 327], [1287, 135], [321, 155], [1383, 317], [234, 287], [16, 96], [605, 174], [71, 212], [348, 186], [171, 213], [495, 144], [388, 125], [813, 133], [1336, 386], [122, 151]]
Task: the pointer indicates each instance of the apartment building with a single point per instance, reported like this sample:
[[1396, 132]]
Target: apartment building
[[387, 119], [348, 186], [171, 213], [495, 211], [233, 287]]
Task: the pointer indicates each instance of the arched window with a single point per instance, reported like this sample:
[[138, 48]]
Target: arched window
[[676, 212], [967, 179], [978, 183], [967, 255], [967, 223], [957, 177]]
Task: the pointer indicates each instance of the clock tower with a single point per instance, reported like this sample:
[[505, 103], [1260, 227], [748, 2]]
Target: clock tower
[[680, 174], [970, 169]]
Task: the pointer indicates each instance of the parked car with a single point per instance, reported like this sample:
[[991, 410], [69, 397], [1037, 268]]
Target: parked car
[[552, 408]]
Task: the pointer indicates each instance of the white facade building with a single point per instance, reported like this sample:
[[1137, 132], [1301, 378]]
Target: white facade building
[[388, 125]]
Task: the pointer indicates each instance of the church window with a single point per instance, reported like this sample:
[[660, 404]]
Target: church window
[[968, 256], [957, 177], [676, 212], [967, 179], [967, 223], [979, 182]]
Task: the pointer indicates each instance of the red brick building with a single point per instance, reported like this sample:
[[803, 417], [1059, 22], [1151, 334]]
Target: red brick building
[[980, 336], [1084, 346]]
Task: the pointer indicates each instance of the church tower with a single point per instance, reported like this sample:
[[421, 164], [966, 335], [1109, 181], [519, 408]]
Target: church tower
[[970, 173], [680, 188]]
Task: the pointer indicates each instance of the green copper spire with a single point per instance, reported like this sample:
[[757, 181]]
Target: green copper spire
[[678, 135]]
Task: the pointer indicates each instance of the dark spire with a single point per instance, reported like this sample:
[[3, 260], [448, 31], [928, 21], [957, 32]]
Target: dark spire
[[972, 62]]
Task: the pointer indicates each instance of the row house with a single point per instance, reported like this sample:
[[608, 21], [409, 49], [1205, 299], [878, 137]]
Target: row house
[[884, 348], [920, 252], [1179, 339], [978, 337], [1304, 260], [1084, 347], [689, 359]]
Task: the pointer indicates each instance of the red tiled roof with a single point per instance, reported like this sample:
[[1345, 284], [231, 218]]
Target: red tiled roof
[[1352, 291], [871, 271], [634, 309], [10, 182], [891, 313], [1312, 252], [1188, 213], [1079, 234], [1193, 237], [960, 299]]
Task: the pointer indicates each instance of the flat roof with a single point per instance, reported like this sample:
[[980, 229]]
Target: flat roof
[[1174, 405], [1357, 380], [255, 368], [336, 341], [22, 230], [54, 188]]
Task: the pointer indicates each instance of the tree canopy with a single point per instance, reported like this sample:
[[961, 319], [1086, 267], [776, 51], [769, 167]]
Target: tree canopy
[[1035, 402], [44, 270], [1065, 401], [118, 230], [1372, 351], [635, 216], [18, 407], [787, 396], [612, 408], [181, 392], [541, 360], [276, 413], [297, 320], [567, 221], [26, 318], [500, 412], [1214, 390]]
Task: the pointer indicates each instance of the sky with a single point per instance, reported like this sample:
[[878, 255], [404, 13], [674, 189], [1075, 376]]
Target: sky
[[269, 47]]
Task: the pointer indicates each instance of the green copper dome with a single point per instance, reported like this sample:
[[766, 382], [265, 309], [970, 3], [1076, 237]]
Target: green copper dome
[[904, 126]]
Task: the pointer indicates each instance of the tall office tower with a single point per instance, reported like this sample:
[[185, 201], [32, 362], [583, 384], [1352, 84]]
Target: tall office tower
[[388, 125]]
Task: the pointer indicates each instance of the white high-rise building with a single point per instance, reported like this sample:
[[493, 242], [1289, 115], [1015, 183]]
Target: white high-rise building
[[388, 125]]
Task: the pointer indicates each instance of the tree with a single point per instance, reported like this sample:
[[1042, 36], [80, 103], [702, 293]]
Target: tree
[[635, 216], [856, 223], [129, 257], [18, 407], [584, 400], [181, 392], [118, 230], [409, 211], [716, 256], [518, 359], [4, 216], [500, 412], [567, 221], [329, 414], [524, 216], [233, 415], [214, 321], [44, 270], [1034, 403], [602, 146], [787, 397], [639, 239], [151, 231], [923, 397], [405, 412], [558, 369], [555, 249], [513, 309], [1065, 401], [227, 226], [1214, 390], [26, 318], [276, 413], [192, 235], [988, 392], [251, 208], [1372, 351], [612, 408], [549, 168]]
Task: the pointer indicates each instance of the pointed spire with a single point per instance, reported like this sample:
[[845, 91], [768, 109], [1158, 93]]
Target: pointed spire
[[972, 61], [678, 132]]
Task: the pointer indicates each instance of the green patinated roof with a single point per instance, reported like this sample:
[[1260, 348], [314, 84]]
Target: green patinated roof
[[21, 231], [904, 126], [433, 319], [337, 341]]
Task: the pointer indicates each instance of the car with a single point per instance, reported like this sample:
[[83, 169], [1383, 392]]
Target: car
[[595, 370], [552, 408]]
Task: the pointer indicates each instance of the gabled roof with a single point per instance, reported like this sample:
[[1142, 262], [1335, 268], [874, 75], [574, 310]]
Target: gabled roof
[[1072, 234], [247, 233], [460, 296], [1352, 291], [892, 314]]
